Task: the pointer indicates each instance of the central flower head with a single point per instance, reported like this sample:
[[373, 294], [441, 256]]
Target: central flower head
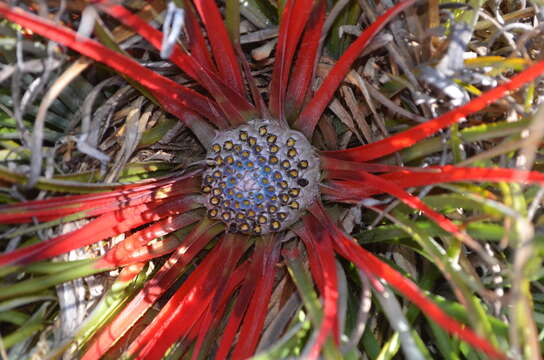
[[260, 177]]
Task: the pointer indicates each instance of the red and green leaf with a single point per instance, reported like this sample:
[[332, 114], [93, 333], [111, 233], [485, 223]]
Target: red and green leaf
[[105, 226], [374, 266], [303, 72], [152, 290], [175, 98], [322, 261], [99, 203], [222, 48], [409, 137], [187, 305], [255, 315], [355, 190], [391, 188], [233, 104], [130, 248], [293, 20], [311, 113]]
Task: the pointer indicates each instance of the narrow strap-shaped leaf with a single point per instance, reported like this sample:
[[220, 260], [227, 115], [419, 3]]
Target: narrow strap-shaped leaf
[[202, 329], [371, 264], [255, 93], [151, 292], [119, 254], [349, 191], [232, 20], [56, 185], [223, 51], [319, 242], [154, 340], [293, 20], [186, 306], [354, 190], [414, 202], [36, 284], [71, 199], [242, 301], [131, 261], [300, 81], [409, 137], [144, 253], [239, 276], [222, 292], [173, 96], [311, 113], [96, 204], [148, 32], [452, 173], [233, 104], [253, 322], [105, 226], [305, 233], [197, 43], [391, 188], [331, 165]]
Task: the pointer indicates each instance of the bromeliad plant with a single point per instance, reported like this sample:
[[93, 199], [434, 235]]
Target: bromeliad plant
[[221, 232]]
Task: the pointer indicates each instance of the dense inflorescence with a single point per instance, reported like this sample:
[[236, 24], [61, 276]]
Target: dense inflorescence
[[260, 177]]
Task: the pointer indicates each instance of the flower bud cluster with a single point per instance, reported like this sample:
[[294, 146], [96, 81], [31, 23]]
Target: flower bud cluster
[[260, 177]]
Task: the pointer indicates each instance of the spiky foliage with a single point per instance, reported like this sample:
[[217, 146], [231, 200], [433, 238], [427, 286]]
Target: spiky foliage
[[188, 287]]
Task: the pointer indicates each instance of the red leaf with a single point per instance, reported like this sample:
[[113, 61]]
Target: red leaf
[[100, 203], [346, 190], [233, 104], [409, 137], [151, 292], [311, 113], [125, 250], [157, 337], [242, 301], [254, 319], [186, 306], [146, 252], [369, 263], [173, 96], [128, 273], [318, 242], [414, 202], [294, 18], [452, 173], [304, 68], [201, 329], [334, 165], [197, 42], [389, 187], [105, 226], [222, 292], [350, 190], [306, 234], [372, 265], [223, 51], [148, 32]]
